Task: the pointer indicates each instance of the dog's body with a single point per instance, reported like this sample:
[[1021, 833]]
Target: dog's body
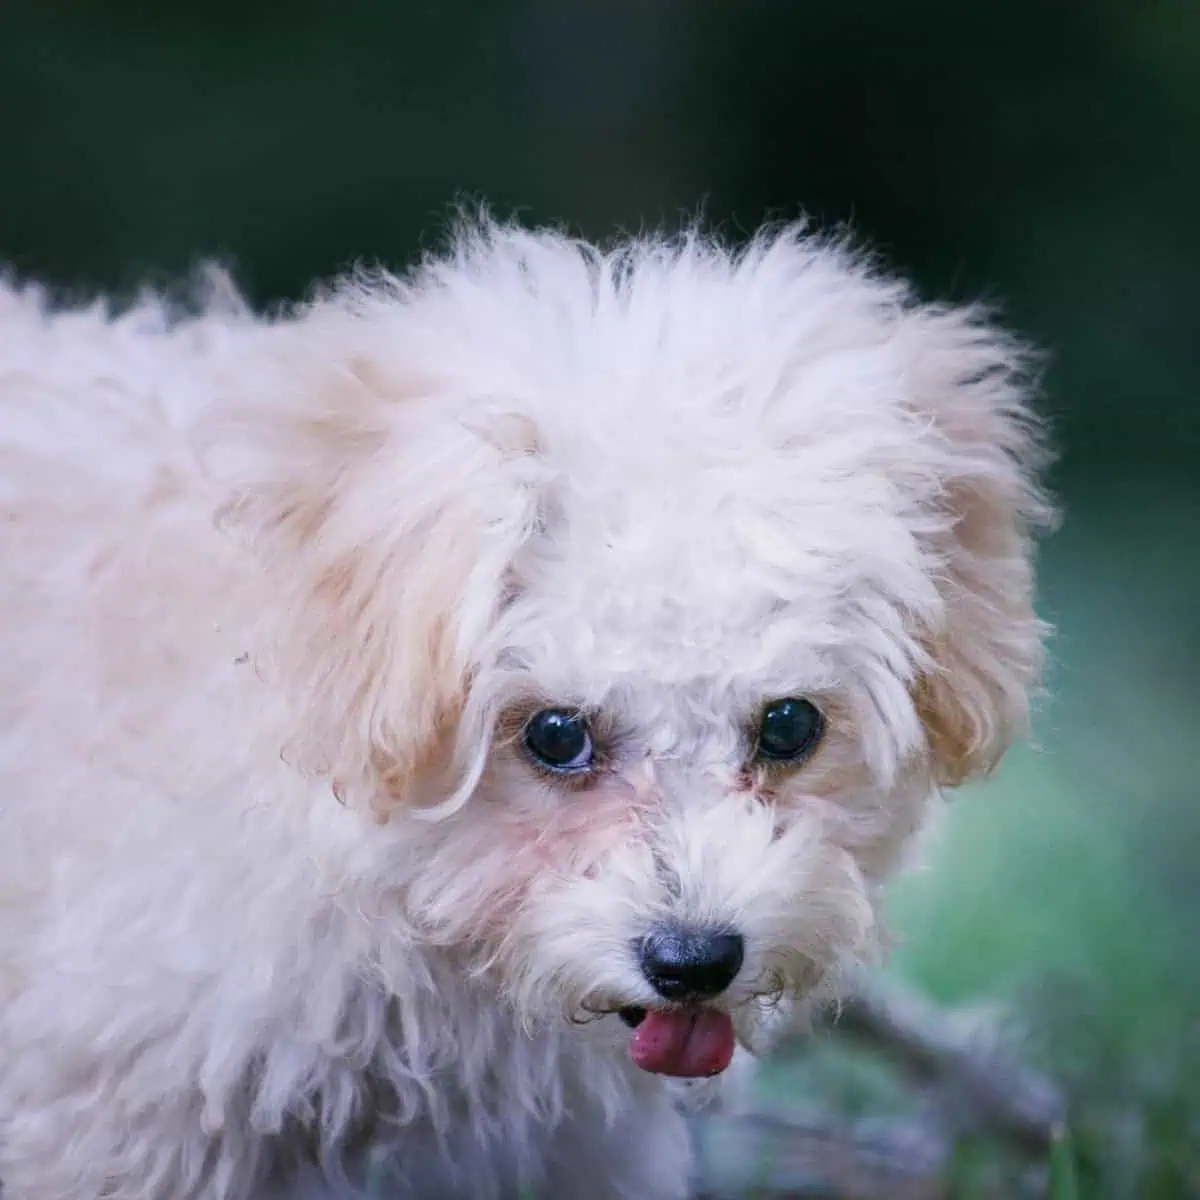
[[283, 889]]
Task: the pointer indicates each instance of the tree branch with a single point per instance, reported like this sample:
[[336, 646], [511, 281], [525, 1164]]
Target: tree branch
[[985, 1086], [967, 1081], [770, 1156]]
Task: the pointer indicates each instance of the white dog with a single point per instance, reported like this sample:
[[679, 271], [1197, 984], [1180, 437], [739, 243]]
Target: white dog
[[433, 719]]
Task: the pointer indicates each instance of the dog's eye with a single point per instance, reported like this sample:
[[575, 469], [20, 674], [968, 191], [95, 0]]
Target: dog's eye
[[558, 738], [789, 730]]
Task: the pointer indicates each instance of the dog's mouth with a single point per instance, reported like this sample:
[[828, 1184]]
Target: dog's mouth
[[689, 1042]]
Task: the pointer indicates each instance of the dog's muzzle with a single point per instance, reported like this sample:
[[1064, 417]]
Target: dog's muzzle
[[688, 1038]]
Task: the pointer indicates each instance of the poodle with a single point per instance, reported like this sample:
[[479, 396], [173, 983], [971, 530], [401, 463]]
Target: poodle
[[446, 723]]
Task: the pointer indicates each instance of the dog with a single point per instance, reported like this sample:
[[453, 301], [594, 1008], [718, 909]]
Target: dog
[[445, 719]]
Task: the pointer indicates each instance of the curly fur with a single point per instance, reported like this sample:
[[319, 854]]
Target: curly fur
[[282, 903]]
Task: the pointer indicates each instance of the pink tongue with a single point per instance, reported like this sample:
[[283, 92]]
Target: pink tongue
[[687, 1042]]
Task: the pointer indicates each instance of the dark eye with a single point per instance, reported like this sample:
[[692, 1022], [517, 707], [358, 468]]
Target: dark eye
[[558, 738], [789, 730]]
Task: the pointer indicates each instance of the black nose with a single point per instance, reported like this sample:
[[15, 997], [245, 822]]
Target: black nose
[[682, 965]]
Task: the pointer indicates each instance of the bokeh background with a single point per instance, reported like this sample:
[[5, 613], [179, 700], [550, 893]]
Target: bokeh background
[[1043, 154]]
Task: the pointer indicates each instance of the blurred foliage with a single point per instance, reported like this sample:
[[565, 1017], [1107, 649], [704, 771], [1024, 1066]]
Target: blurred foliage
[[1044, 154]]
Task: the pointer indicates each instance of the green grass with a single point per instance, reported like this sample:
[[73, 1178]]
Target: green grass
[[1067, 885], [1064, 1182]]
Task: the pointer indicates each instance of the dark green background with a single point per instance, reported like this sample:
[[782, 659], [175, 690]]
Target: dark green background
[[1044, 154]]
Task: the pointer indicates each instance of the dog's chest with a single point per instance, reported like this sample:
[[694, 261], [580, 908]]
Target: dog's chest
[[451, 1099]]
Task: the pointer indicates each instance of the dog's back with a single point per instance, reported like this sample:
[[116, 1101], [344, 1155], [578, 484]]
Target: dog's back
[[110, 567], [123, 708]]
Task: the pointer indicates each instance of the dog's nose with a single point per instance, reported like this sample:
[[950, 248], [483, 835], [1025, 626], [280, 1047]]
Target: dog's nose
[[683, 965]]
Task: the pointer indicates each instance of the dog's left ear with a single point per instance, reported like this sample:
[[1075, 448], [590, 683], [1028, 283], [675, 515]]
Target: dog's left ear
[[972, 385], [388, 514]]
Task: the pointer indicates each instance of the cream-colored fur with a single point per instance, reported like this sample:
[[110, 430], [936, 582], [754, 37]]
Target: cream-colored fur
[[280, 895]]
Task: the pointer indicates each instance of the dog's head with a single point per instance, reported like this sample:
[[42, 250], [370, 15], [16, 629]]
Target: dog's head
[[645, 597]]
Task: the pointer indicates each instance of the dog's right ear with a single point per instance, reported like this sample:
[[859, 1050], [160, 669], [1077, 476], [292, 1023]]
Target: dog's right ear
[[387, 514]]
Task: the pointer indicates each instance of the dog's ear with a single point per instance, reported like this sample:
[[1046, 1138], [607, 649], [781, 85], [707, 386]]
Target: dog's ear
[[388, 518], [972, 385]]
